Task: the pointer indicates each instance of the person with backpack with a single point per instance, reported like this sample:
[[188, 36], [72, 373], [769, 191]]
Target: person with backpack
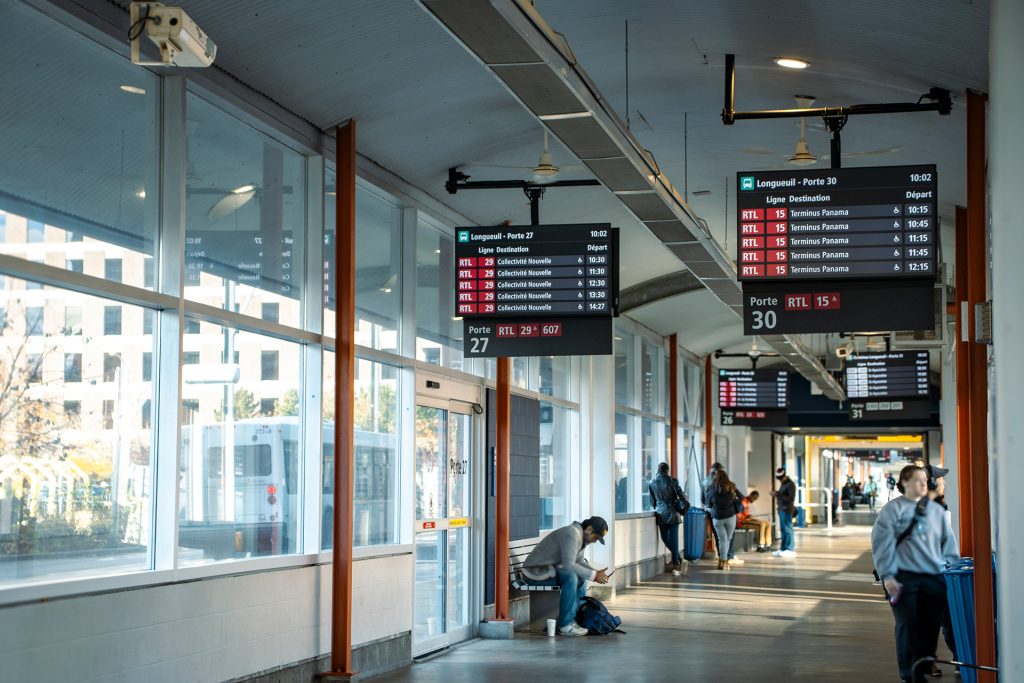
[[890, 485], [723, 503], [669, 504], [558, 561], [911, 542]]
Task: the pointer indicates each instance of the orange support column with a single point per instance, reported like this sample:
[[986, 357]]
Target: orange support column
[[977, 256], [709, 426], [503, 439], [344, 373], [673, 405], [963, 390]]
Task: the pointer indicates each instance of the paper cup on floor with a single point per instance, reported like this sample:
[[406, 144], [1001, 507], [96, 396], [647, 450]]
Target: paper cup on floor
[[551, 627]]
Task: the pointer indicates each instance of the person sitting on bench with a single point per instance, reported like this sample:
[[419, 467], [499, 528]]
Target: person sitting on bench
[[558, 561], [763, 527]]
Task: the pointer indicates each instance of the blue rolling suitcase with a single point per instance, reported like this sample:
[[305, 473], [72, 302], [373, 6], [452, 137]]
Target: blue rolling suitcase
[[694, 523]]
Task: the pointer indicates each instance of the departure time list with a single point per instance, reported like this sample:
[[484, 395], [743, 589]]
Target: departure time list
[[837, 223], [550, 270], [896, 374], [766, 389]]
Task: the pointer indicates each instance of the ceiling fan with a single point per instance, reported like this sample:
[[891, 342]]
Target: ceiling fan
[[545, 170], [802, 156]]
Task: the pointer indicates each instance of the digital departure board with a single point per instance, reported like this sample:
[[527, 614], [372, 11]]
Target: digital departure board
[[537, 289], [833, 224], [563, 270], [753, 397], [899, 374]]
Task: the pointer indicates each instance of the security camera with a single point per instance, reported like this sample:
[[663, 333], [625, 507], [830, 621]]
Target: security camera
[[844, 350], [180, 40]]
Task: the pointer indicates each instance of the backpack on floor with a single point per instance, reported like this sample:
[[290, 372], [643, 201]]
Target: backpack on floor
[[593, 616]]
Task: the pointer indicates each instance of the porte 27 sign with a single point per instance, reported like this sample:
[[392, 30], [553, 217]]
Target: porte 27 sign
[[536, 290], [836, 250]]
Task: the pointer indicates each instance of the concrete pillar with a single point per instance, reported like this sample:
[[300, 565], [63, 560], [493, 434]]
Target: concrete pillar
[[1006, 168], [598, 447]]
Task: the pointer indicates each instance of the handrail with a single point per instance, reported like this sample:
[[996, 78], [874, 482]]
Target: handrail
[[827, 504]]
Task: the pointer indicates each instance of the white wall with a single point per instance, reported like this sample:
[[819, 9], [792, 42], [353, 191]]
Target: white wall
[[637, 539], [207, 630]]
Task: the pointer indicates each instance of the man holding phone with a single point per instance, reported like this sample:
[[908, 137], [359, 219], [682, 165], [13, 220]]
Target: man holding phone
[[558, 561]]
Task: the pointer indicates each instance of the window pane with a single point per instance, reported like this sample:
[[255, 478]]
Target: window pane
[[623, 428], [625, 366], [652, 452], [240, 465], [554, 376], [84, 161], [76, 470], [34, 317], [438, 333], [650, 386], [72, 320], [268, 365], [112, 319], [376, 453], [112, 269], [556, 452], [378, 266], [245, 216]]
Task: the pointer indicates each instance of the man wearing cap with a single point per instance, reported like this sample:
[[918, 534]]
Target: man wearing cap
[[558, 561], [785, 500]]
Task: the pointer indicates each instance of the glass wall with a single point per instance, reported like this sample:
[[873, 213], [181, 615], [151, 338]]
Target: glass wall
[[556, 449], [75, 439], [641, 376], [378, 265], [438, 330], [377, 455]]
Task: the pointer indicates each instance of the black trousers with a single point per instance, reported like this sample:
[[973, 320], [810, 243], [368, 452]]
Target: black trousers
[[919, 614]]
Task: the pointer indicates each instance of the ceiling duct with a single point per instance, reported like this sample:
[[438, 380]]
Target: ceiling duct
[[538, 67]]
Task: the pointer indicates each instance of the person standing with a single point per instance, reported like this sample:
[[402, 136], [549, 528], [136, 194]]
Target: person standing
[[911, 542], [785, 501], [890, 485], [669, 506], [722, 500]]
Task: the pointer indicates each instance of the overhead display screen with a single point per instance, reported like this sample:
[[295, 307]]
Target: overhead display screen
[[898, 374], [834, 224], [753, 397], [537, 290], [562, 270]]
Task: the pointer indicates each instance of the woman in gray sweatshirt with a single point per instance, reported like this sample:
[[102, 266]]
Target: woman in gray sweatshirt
[[911, 543]]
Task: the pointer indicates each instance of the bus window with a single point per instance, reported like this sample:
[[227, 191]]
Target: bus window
[[253, 460], [291, 465], [328, 468], [213, 462]]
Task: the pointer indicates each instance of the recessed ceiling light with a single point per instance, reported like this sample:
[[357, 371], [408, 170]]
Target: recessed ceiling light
[[243, 189], [133, 90], [701, 193], [437, 251], [795, 429], [456, 317], [141, 194], [791, 63]]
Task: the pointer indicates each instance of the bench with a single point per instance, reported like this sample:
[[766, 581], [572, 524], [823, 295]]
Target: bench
[[542, 600], [518, 551]]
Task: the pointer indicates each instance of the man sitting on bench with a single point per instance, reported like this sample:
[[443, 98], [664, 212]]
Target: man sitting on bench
[[558, 561]]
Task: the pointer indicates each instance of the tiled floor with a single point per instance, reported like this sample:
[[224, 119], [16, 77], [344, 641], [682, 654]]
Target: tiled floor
[[813, 618]]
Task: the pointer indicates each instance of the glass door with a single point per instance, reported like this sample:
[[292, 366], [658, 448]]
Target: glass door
[[443, 526]]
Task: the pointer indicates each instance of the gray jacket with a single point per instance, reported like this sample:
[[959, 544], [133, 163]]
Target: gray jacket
[[930, 546], [561, 549]]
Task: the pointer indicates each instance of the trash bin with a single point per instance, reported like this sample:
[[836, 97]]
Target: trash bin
[[959, 578], [693, 533]]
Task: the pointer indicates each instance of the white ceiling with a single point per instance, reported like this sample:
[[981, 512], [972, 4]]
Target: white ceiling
[[424, 104]]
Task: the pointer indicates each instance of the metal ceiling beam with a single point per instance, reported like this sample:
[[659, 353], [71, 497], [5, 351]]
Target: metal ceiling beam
[[659, 288], [512, 40]]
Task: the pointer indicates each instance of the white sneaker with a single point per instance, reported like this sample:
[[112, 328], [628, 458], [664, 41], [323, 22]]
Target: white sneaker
[[787, 553], [776, 553], [573, 629], [736, 561]]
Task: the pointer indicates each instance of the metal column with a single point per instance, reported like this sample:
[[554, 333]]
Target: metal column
[[977, 258], [963, 389], [503, 439], [673, 404], [344, 368]]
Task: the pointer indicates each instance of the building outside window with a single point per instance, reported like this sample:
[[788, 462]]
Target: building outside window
[[269, 365], [113, 269], [111, 320], [72, 367], [111, 364]]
